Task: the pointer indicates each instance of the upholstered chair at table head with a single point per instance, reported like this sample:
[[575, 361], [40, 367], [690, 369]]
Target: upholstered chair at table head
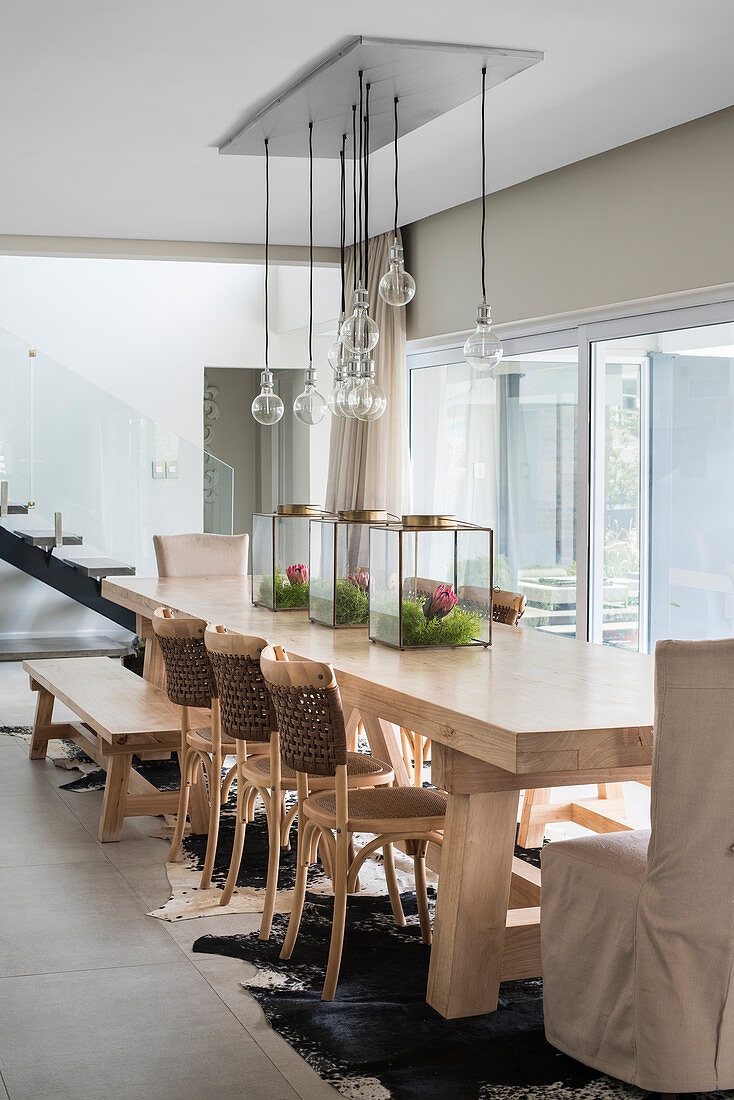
[[638, 927], [201, 555]]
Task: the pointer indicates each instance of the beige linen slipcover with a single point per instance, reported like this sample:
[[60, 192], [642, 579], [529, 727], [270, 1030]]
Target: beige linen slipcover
[[201, 555], [638, 938]]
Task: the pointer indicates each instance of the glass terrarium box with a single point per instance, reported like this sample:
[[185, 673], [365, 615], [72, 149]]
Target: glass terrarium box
[[431, 583], [280, 574], [339, 568]]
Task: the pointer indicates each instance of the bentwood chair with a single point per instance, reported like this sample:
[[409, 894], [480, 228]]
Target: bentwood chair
[[313, 743], [201, 555], [190, 684], [248, 718], [507, 608], [638, 928]]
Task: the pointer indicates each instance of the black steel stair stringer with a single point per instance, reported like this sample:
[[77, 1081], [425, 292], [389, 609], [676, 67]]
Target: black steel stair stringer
[[41, 564]]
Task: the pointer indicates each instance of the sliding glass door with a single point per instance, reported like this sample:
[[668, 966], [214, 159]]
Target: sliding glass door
[[502, 451], [663, 515], [603, 458]]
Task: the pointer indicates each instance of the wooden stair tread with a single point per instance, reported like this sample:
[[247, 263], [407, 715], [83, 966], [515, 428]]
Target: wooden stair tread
[[100, 567], [47, 538], [31, 647], [107, 696]]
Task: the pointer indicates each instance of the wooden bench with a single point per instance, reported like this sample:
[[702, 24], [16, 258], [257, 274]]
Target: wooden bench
[[121, 715]]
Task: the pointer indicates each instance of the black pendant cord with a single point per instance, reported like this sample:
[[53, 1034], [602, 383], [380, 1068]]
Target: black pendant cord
[[267, 245], [484, 184], [361, 174], [310, 244], [366, 186], [395, 105], [343, 218], [354, 194]]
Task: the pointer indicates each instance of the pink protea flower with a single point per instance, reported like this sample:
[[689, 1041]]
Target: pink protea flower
[[297, 574], [360, 579], [440, 603]]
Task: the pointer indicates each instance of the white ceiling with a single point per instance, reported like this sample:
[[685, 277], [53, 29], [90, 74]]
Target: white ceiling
[[112, 110]]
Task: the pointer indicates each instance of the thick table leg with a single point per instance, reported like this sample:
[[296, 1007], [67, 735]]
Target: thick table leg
[[41, 721], [384, 739], [471, 911], [115, 794]]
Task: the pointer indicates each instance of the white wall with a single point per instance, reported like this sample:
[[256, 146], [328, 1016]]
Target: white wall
[[143, 331]]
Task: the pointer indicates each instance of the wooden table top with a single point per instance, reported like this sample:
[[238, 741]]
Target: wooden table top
[[531, 702]]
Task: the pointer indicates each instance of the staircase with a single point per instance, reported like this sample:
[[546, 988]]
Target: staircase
[[38, 548]]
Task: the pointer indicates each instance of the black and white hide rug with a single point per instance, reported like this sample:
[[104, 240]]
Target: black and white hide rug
[[379, 1040]]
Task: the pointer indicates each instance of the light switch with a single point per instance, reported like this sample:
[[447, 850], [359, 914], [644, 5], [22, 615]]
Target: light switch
[[172, 469], [159, 469]]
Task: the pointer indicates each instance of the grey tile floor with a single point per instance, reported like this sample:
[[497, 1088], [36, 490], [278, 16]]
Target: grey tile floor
[[97, 1000]]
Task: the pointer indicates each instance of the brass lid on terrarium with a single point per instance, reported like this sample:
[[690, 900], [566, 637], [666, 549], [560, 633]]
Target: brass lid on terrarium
[[299, 510], [364, 515], [430, 521]]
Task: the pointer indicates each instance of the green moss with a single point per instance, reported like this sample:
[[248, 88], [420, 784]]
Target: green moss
[[457, 628], [352, 604], [286, 595]]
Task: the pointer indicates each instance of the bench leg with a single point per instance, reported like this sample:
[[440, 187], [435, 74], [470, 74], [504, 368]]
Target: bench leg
[[41, 721], [115, 794]]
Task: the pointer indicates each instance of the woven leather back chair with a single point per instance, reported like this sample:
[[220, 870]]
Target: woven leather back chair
[[248, 716], [190, 683], [201, 555], [508, 607], [311, 722]]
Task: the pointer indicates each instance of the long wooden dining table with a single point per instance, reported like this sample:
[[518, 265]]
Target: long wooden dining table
[[532, 711]]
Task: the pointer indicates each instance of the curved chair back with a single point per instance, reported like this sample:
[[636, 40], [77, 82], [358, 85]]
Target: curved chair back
[[508, 607], [199, 555], [245, 704], [189, 679], [309, 710]]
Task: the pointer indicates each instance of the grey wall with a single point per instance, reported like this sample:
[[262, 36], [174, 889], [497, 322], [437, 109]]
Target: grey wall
[[649, 218], [272, 465]]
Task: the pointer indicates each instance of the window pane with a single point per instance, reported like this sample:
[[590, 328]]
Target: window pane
[[663, 542], [501, 451]]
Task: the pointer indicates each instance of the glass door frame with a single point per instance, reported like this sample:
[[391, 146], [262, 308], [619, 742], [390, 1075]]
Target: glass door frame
[[554, 339], [590, 604]]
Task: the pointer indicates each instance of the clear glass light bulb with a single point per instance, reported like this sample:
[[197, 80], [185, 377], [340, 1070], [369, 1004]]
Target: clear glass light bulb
[[397, 287], [343, 397], [483, 349], [332, 400], [367, 400], [310, 406], [267, 408], [335, 353], [360, 333]]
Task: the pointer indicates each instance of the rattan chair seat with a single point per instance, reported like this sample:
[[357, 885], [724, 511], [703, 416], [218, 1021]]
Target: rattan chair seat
[[361, 768], [370, 808], [202, 739]]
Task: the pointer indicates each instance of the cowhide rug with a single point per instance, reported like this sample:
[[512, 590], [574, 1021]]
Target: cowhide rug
[[379, 1040]]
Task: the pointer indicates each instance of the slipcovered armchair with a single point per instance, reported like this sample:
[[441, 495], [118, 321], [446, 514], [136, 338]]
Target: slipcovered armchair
[[638, 937], [201, 555]]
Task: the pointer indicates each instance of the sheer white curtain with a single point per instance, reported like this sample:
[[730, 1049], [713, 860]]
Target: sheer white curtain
[[369, 462]]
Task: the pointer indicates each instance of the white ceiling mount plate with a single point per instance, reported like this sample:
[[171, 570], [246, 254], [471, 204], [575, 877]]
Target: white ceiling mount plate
[[429, 79]]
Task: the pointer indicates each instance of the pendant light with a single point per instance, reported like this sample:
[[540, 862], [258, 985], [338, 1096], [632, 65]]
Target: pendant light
[[397, 287], [352, 364], [267, 408], [367, 400], [337, 355], [359, 332], [483, 349], [310, 407]]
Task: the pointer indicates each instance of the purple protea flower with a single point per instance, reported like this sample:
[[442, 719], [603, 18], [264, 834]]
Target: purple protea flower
[[297, 574], [360, 579], [440, 603]]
